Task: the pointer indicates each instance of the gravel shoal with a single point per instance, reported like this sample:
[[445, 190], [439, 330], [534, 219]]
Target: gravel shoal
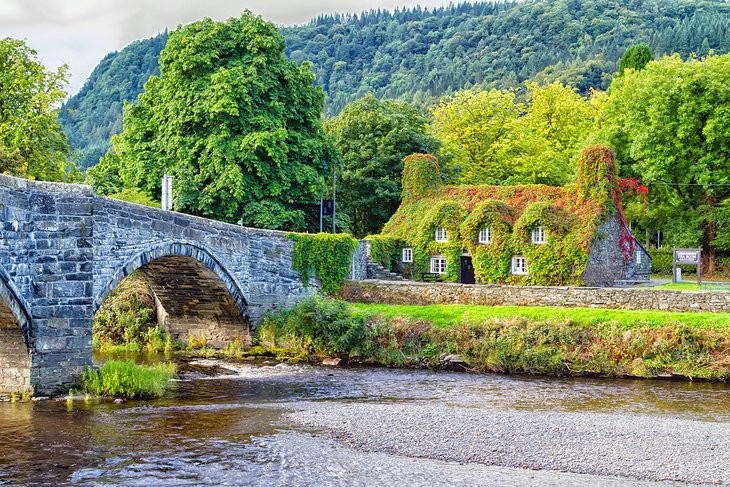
[[657, 448]]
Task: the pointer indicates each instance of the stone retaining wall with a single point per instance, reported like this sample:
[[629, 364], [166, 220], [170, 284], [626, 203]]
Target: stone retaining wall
[[422, 293]]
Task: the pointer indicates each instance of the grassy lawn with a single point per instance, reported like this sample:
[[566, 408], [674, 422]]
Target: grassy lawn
[[692, 286], [445, 315]]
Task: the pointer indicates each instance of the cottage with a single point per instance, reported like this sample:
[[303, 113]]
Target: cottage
[[523, 234]]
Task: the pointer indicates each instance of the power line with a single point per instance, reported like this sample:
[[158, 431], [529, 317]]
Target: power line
[[687, 184]]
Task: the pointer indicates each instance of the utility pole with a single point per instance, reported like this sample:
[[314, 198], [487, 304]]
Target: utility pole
[[334, 196], [321, 202]]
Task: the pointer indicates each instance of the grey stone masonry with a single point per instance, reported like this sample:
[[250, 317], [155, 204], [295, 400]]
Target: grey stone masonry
[[63, 250], [607, 263], [423, 293]]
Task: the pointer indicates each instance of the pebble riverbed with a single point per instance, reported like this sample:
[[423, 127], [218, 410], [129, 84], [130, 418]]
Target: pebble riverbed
[[628, 446]]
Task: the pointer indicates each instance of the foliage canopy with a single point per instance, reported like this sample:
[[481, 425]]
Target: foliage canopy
[[234, 122], [635, 57], [670, 126], [373, 137], [32, 144], [421, 54], [490, 137]]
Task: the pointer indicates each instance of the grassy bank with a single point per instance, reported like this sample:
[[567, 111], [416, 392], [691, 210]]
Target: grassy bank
[[555, 341], [129, 380], [446, 315]]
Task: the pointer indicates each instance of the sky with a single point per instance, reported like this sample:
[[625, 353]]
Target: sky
[[80, 33]]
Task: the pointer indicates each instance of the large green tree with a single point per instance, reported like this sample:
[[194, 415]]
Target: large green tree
[[32, 144], [233, 121], [481, 134], [670, 125], [373, 137], [490, 137]]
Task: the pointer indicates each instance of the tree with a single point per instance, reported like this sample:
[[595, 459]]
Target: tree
[[372, 138], [635, 57], [670, 124], [479, 130], [234, 122], [32, 144], [489, 137], [564, 119]]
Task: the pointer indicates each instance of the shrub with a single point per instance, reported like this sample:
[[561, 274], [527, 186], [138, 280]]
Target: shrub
[[319, 326], [127, 379], [126, 317]]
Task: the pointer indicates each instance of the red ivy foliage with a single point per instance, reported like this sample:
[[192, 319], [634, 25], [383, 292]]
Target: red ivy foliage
[[626, 187]]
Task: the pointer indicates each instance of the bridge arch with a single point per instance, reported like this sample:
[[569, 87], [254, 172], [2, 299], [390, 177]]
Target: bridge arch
[[195, 294], [15, 358]]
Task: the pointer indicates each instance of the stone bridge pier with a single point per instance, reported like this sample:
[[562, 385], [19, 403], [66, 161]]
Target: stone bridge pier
[[63, 250]]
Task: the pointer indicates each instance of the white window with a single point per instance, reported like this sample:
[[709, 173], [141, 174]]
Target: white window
[[538, 235], [407, 255], [638, 256], [519, 266], [441, 235], [438, 265], [485, 235]]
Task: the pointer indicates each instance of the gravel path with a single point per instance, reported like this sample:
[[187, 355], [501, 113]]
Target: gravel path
[[658, 448]]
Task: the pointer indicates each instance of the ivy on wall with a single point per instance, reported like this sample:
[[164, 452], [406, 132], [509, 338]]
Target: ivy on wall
[[443, 214], [491, 261], [569, 215], [558, 260], [328, 255], [385, 250]]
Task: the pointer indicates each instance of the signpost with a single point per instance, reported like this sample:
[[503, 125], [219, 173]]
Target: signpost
[[687, 257], [326, 208]]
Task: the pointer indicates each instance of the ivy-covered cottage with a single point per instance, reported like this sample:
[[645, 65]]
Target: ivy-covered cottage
[[525, 234]]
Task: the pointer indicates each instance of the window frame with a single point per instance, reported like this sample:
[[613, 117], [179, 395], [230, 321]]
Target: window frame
[[541, 235], [516, 269], [434, 266], [406, 251], [638, 256], [438, 237], [487, 235]]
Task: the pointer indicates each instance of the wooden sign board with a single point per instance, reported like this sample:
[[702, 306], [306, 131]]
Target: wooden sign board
[[687, 257]]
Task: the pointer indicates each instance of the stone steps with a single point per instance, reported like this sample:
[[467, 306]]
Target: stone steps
[[377, 271]]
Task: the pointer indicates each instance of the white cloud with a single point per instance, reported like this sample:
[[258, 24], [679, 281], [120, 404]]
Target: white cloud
[[80, 32]]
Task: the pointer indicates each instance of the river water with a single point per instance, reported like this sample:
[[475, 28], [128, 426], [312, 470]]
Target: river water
[[225, 423]]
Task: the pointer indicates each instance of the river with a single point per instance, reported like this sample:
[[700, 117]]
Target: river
[[278, 424]]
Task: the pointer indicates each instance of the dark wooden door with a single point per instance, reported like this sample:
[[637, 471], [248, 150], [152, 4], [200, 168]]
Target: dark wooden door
[[466, 270]]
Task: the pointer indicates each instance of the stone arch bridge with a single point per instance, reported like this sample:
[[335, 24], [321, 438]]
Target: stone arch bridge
[[63, 250]]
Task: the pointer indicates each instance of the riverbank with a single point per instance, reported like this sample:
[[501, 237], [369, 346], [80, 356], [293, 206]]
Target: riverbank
[[514, 340], [616, 445], [224, 423]]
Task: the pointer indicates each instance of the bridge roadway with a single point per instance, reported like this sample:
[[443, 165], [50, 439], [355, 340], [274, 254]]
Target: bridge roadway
[[63, 250]]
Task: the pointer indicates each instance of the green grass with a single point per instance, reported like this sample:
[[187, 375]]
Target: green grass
[[691, 286], [445, 315], [510, 339], [127, 379]]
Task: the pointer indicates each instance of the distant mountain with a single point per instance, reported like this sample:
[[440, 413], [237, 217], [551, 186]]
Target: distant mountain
[[94, 114], [419, 54]]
